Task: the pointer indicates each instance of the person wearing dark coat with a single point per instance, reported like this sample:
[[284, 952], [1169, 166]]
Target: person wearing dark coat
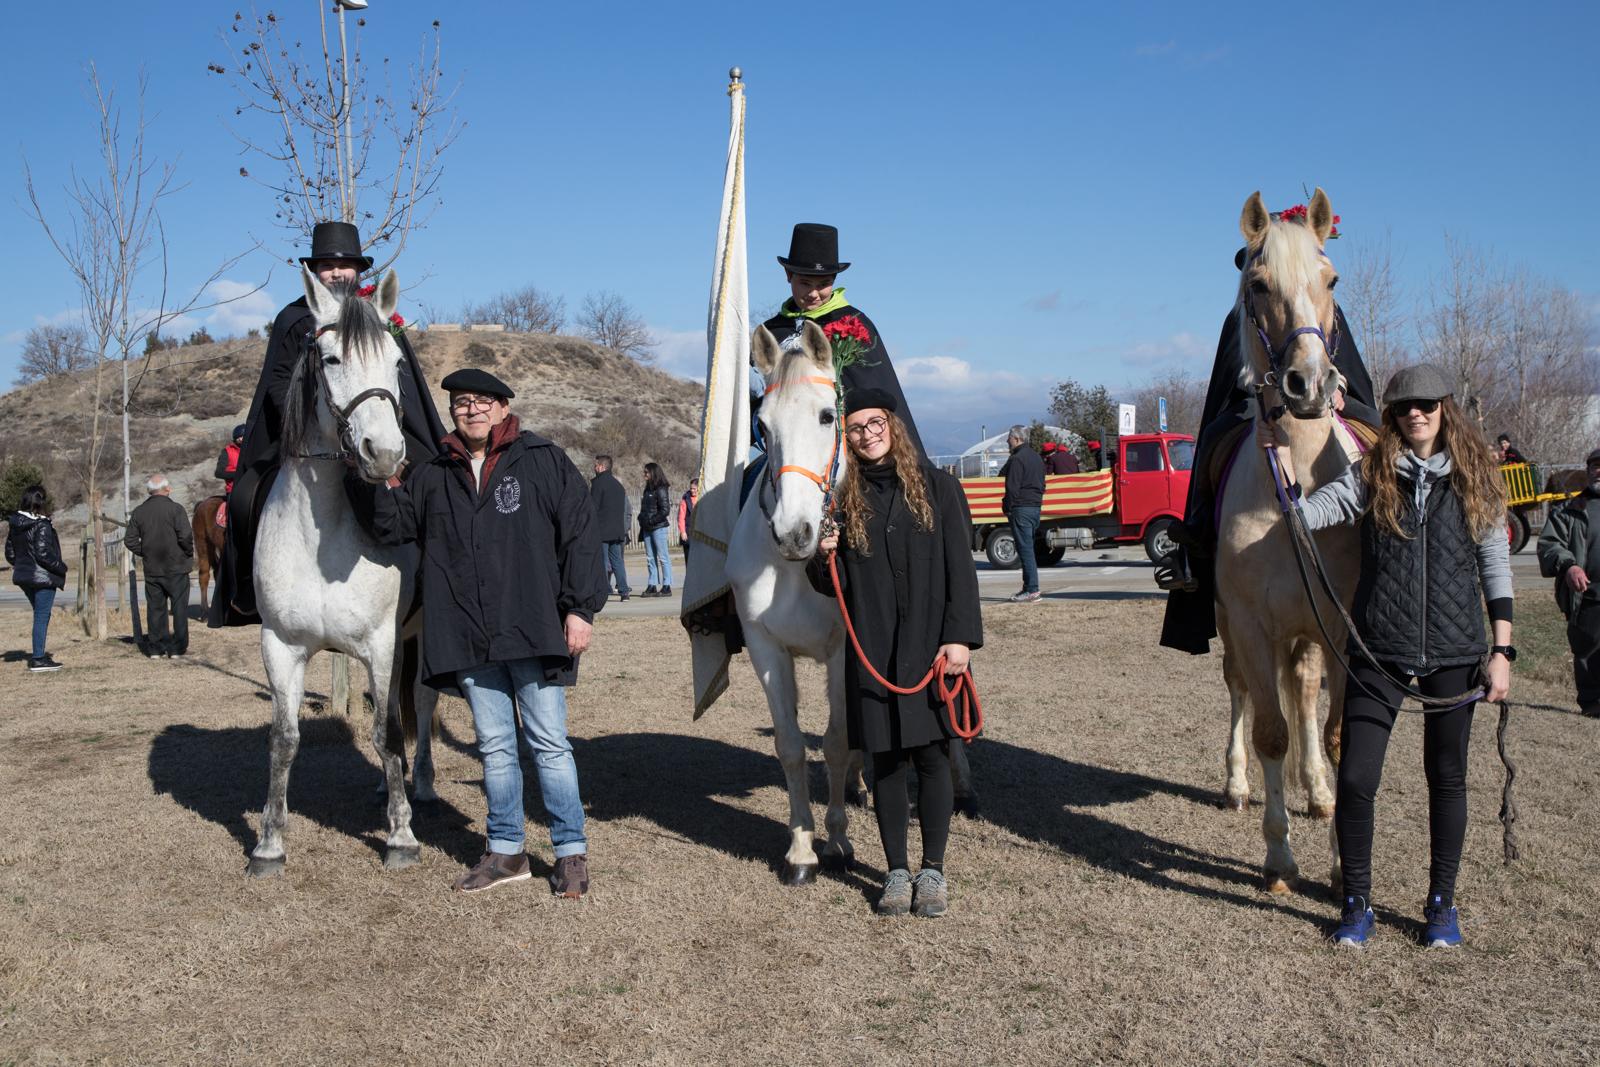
[[511, 582], [1569, 552], [655, 520], [811, 268], [337, 260], [1190, 621], [611, 514], [1059, 459], [905, 568], [34, 552], [160, 533], [1023, 498]]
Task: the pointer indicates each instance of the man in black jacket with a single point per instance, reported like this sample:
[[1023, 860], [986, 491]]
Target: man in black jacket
[[159, 532], [1024, 495], [338, 261], [611, 515], [511, 581]]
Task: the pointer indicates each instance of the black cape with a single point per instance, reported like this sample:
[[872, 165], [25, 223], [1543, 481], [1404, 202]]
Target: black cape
[[234, 601]]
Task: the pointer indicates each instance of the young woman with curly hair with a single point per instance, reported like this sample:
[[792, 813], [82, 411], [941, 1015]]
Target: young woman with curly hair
[[1431, 508], [905, 567]]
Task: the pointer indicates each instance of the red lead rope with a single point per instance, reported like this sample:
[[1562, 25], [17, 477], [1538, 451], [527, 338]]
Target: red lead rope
[[966, 723]]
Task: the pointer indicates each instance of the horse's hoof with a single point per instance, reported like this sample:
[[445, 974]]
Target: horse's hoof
[[264, 868], [968, 806], [399, 857], [1236, 801], [1280, 884], [838, 862], [856, 798], [1321, 811], [797, 874]]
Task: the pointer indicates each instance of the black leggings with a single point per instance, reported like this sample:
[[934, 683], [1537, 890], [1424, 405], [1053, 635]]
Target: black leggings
[[935, 800], [1367, 723]]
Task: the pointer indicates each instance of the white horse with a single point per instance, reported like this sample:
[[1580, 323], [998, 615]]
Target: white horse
[[321, 582], [782, 615]]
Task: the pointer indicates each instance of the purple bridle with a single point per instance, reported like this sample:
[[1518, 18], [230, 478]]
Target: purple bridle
[[1276, 355]]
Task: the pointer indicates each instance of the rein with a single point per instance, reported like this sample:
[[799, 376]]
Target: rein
[[341, 415]]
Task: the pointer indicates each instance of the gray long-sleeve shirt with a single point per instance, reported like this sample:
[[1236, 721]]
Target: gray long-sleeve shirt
[[1343, 500]]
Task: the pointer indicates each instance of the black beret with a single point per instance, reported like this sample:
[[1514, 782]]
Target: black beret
[[864, 397], [473, 380]]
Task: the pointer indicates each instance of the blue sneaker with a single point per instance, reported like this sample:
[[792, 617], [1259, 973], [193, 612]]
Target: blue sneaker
[[1443, 930], [1355, 924]]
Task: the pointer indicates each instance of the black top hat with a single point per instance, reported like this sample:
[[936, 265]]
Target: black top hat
[[863, 397], [336, 240], [473, 380], [814, 250]]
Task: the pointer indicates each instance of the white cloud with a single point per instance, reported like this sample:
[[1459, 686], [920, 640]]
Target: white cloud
[[681, 352], [245, 311], [1180, 347]]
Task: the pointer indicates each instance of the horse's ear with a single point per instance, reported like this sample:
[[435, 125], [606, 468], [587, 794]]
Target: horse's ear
[[387, 296], [764, 351], [1321, 213], [1254, 220], [815, 345], [324, 305]]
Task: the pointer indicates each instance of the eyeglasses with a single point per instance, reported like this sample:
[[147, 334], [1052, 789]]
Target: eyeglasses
[[1405, 407], [873, 427], [468, 402]]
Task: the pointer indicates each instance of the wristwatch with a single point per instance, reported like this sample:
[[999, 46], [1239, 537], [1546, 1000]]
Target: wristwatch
[[1508, 651]]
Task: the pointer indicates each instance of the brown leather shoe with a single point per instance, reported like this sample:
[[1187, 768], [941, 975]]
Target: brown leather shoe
[[570, 879], [492, 870]]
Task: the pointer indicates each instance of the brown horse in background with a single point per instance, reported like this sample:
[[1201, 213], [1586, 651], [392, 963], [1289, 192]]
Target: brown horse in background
[[208, 537]]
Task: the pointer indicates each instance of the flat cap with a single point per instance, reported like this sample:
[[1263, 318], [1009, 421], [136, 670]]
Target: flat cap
[[473, 380], [1594, 457], [1423, 381], [864, 397]]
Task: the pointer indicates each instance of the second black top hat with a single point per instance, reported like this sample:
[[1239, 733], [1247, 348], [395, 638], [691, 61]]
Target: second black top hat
[[814, 250]]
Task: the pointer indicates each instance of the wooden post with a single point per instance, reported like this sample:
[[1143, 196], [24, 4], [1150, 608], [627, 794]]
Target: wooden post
[[340, 695]]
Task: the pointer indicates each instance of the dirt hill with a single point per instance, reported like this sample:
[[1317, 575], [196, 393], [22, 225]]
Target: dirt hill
[[586, 398]]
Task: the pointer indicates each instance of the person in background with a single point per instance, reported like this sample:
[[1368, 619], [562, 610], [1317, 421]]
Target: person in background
[[1508, 452], [655, 516], [159, 532], [686, 505], [34, 552], [906, 573], [1024, 495], [228, 461], [1569, 552], [611, 516], [1059, 459], [1430, 507]]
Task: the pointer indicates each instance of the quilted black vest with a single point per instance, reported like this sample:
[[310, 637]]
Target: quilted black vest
[[1419, 602]]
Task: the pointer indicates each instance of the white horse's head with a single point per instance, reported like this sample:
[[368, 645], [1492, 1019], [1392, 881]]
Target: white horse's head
[[353, 395], [1288, 327], [800, 420]]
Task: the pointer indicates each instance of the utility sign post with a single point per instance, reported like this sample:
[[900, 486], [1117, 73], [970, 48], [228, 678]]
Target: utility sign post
[[1161, 413], [1125, 418]]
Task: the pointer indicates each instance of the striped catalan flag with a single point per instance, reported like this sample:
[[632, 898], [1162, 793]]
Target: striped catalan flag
[[1065, 495]]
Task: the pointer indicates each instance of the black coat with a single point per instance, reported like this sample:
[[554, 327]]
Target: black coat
[[1024, 475], [34, 552], [872, 370], [655, 508], [610, 506], [160, 532], [1061, 462], [501, 567], [916, 591]]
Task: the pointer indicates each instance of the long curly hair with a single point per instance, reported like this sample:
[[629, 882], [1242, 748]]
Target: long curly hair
[[1474, 475], [850, 501]]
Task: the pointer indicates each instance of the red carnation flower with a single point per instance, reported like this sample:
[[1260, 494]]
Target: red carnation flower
[[397, 320], [366, 290]]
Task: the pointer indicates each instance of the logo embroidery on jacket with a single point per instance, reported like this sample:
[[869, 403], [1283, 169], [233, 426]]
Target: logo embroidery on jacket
[[508, 495]]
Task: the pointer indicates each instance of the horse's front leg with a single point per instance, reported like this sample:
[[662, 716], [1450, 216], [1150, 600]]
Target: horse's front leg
[[775, 668], [1236, 793], [838, 853], [388, 738], [286, 674], [1306, 685], [1258, 657]]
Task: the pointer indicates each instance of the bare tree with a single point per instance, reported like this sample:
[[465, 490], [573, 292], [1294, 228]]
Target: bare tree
[[1462, 323], [1372, 301], [1186, 401], [1548, 372], [50, 350], [525, 310], [337, 146], [607, 319]]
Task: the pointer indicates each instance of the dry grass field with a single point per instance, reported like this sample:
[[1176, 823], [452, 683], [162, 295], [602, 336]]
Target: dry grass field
[[1104, 909]]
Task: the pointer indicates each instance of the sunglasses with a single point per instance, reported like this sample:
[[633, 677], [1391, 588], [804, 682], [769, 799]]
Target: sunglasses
[[1405, 407]]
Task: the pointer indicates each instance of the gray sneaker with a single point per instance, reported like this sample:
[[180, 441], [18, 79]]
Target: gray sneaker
[[896, 898], [932, 894], [492, 870], [570, 879], [1026, 597]]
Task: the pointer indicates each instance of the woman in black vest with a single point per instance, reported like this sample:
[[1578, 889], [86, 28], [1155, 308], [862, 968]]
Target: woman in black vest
[[906, 571], [1431, 508]]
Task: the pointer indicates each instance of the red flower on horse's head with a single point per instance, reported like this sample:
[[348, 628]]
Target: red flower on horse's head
[[366, 290], [397, 320]]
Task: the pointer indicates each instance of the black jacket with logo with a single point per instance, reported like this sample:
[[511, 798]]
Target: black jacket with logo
[[34, 552], [503, 562]]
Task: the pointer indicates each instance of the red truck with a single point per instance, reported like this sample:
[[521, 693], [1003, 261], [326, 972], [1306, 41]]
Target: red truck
[[1137, 498]]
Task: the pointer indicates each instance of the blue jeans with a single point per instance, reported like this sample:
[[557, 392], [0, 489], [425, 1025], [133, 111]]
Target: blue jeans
[[495, 692], [658, 565], [42, 600], [1024, 524], [614, 566]]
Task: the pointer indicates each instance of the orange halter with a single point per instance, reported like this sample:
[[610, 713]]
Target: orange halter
[[824, 482]]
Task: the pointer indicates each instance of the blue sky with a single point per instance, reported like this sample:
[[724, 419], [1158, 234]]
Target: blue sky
[[1028, 192]]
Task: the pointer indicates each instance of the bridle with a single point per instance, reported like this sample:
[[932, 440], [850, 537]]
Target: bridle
[[823, 481], [1277, 354], [341, 415]]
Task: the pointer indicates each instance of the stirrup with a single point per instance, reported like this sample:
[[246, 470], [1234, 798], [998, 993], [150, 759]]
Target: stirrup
[[1173, 573]]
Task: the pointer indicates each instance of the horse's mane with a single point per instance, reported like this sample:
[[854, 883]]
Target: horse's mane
[[359, 328]]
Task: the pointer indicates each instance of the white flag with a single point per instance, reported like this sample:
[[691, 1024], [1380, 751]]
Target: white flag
[[725, 425]]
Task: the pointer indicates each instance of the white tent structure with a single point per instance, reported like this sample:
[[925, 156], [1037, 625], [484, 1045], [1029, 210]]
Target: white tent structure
[[984, 459]]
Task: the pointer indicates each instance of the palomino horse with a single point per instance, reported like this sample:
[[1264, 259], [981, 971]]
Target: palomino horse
[[208, 537], [1274, 652], [322, 582], [784, 617]]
